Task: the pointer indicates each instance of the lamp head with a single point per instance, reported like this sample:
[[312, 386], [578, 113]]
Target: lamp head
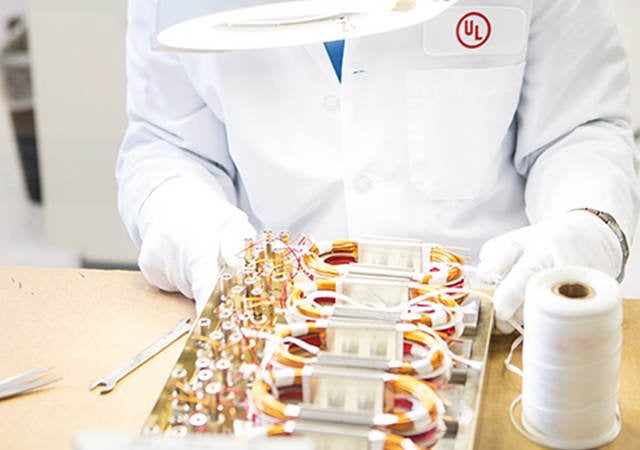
[[221, 25]]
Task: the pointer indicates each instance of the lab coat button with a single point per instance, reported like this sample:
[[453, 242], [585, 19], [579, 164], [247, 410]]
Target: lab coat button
[[362, 184], [331, 103]]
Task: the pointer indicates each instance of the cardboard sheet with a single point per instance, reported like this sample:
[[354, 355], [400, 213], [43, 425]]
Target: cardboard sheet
[[86, 323]]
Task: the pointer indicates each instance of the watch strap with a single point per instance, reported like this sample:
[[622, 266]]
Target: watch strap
[[613, 225]]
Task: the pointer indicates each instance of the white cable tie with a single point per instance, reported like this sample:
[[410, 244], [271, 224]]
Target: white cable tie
[[267, 378], [422, 366], [292, 410], [395, 364], [507, 362], [439, 277], [339, 285], [269, 351], [324, 247], [471, 363], [421, 298], [519, 328], [376, 440], [307, 287], [284, 377], [404, 327], [408, 444], [385, 419], [418, 351], [289, 426], [248, 332], [426, 253], [514, 345], [299, 329], [471, 292], [468, 308]]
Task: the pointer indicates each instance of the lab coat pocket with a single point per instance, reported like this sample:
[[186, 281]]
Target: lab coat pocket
[[457, 121]]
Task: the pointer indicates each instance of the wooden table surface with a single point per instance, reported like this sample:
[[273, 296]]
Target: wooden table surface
[[86, 323]]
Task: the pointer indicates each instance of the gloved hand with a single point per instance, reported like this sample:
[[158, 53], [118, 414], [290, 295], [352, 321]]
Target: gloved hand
[[185, 227], [575, 238]]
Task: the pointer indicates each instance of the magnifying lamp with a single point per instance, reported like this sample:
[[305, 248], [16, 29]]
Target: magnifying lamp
[[219, 25]]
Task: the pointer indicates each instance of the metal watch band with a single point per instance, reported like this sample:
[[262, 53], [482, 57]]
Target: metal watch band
[[613, 225]]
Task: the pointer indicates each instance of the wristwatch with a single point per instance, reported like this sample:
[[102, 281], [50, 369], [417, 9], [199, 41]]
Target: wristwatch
[[613, 225]]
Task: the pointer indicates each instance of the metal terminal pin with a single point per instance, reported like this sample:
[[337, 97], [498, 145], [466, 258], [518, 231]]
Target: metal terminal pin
[[268, 243], [247, 272], [194, 385], [179, 374], [179, 377], [198, 422], [278, 258], [225, 314], [203, 363], [250, 285], [205, 375], [279, 286], [235, 344], [151, 430], [213, 391], [226, 280], [285, 237], [179, 431], [204, 326], [249, 253], [219, 423], [261, 255], [178, 419], [228, 327], [250, 282], [238, 278], [179, 406], [245, 319], [205, 352], [237, 295], [255, 305], [217, 340], [222, 368]]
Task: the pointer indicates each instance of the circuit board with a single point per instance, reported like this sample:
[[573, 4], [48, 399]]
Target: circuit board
[[375, 343]]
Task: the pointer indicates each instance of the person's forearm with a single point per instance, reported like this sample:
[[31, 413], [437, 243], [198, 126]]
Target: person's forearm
[[592, 167]]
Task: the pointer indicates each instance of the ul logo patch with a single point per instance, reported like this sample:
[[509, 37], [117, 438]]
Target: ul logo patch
[[473, 30]]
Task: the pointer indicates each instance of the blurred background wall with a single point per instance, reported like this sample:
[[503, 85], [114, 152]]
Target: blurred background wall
[[9, 8], [628, 15], [77, 57], [77, 49]]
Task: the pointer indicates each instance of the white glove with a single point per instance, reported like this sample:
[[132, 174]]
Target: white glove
[[185, 227], [575, 238]]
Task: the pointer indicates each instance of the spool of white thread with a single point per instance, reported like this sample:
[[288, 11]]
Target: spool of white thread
[[571, 358]]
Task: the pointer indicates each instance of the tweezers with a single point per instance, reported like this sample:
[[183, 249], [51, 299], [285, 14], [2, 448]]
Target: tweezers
[[25, 382]]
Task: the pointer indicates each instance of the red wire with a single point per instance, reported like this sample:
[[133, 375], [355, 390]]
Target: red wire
[[339, 260], [403, 403]]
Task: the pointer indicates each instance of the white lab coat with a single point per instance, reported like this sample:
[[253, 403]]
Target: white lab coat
[[424, 138]]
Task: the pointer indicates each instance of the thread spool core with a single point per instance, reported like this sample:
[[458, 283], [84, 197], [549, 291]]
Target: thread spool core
[[574, 290]]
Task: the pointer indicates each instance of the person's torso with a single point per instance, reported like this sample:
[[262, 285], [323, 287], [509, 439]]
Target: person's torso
[[417, 140]]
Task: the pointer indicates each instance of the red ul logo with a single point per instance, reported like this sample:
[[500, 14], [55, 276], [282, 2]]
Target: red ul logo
[[473, 30]]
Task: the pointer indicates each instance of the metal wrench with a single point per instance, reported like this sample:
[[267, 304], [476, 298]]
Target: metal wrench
[[145, 355]]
